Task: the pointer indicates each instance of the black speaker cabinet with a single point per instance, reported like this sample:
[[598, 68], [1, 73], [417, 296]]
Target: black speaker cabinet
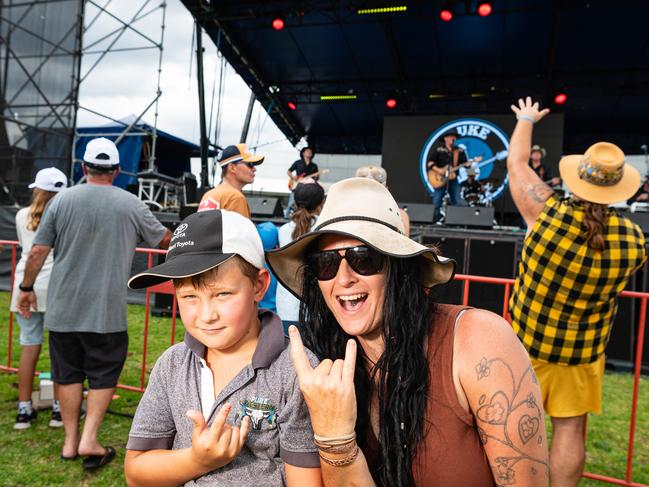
[[186, 210], [467, 216], [419, 212], [454, 248], [491, 258], [264, 206]]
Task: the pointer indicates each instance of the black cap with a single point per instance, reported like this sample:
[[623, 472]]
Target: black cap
[[201, 242], [308, 195], [450, 132], [239, 153]]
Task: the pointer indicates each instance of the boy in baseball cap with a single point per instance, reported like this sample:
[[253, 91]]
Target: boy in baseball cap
[[231, 382]]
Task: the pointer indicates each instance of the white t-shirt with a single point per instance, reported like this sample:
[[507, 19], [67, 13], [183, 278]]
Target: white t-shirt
[[26, 238], [288, 306]]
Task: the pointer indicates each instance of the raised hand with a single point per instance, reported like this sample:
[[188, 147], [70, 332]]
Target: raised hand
[[328, 389], [219, 444], [527, 109]]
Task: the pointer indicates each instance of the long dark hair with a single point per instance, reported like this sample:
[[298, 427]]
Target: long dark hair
[[400, 376], [595, 224]]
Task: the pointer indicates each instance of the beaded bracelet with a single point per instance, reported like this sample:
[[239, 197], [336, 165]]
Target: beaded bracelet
[[342, 462]]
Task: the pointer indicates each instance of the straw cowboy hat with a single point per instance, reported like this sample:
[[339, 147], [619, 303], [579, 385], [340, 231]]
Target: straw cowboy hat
[[363, 209], [600, 175]]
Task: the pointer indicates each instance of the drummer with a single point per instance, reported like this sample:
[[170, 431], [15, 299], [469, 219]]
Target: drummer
[[471, 188]]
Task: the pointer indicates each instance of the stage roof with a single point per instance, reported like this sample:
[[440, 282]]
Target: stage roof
[[596, 51]]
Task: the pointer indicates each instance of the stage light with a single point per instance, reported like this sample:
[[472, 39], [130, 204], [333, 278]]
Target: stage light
[[391, 103], [292, 104], [446, 11], [485, 9], [337, 97], [382, 10], [446, 15], [278, 23], [560, 98]]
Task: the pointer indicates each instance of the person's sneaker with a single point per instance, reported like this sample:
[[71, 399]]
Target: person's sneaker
[[56, 421], [24, 419]]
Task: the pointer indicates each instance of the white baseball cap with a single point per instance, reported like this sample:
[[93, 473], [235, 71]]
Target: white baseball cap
[[50, 179], [203, 241], [102, 152]]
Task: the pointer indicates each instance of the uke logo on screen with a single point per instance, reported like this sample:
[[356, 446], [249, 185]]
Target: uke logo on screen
[[478, 138]]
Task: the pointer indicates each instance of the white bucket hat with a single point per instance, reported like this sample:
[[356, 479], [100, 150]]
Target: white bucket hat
[[363, 209]]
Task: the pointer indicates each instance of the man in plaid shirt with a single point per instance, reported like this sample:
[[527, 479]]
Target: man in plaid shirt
[[577, 257]]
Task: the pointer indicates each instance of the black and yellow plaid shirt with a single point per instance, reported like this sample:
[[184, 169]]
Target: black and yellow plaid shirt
[[564, 299]]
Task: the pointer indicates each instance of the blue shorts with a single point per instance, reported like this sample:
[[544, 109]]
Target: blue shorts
[[31, 330]]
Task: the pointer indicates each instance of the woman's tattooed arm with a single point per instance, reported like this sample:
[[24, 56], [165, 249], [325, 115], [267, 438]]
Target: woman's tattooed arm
[[504, 397]]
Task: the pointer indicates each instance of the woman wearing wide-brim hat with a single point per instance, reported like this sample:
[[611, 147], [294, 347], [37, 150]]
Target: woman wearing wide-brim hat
[[409, 392], [578, 255]]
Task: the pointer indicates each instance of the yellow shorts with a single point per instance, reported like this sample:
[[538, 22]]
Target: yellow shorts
[[570, 390]]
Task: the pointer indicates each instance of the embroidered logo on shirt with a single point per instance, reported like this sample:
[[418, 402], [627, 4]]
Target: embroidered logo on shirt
[[258, 409]]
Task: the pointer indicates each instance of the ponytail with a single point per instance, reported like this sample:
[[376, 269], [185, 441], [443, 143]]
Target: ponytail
[[595, 224], [302, 218]]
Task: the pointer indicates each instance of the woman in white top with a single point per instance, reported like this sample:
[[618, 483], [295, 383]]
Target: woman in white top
[[309, 198], [48, 182]]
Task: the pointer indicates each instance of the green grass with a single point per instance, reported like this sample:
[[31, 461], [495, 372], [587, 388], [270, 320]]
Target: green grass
[[31, 457]]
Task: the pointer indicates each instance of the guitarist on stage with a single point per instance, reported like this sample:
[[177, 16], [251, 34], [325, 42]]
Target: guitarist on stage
[[301, 168], [442, 160]]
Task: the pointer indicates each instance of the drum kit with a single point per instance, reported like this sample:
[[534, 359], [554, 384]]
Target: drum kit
[[482, 194]]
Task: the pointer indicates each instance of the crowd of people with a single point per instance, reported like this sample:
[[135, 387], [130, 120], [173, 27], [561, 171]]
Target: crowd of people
[[349, 372]]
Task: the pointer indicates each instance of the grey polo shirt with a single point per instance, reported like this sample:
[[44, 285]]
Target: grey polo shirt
[[266, 390]]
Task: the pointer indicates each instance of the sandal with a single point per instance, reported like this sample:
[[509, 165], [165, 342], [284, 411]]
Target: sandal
[[97, 461]]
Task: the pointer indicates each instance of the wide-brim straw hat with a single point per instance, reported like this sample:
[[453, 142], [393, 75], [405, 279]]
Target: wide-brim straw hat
[[600, 175], [362, 209]]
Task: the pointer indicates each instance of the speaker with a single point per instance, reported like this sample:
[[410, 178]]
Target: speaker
[[419, 212], [454, 248], [190, 187], [466, 216], [186, 210], [265, 206]]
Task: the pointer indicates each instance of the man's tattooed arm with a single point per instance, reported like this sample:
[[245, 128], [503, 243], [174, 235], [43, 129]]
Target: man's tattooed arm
[[504, 397]]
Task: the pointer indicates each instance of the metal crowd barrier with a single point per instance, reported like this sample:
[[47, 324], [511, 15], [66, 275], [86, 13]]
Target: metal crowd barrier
[[167, 288]]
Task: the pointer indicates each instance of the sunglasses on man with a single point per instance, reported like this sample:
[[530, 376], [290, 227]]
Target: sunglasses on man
[[251, 165], [362, 260]]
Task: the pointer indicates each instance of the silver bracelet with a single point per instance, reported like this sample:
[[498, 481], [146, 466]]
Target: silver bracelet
[[528, 118]]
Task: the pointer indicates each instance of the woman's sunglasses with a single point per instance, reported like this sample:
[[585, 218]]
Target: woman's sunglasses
[[363, 260]]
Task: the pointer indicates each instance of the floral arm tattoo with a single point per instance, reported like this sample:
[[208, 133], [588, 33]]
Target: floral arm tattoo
[[511, 424]]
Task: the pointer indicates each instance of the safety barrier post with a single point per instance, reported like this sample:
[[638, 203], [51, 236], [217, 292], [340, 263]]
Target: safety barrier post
[[147, 307], [11, 295], [636, 384]]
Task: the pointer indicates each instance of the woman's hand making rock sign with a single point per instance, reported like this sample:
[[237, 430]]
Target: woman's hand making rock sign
[[328, 389]]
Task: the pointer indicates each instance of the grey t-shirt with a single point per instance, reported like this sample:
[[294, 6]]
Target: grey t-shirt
[[266, 390], [94, 231]]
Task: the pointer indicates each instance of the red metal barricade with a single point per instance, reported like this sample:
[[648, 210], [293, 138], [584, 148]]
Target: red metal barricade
[[167, 288]]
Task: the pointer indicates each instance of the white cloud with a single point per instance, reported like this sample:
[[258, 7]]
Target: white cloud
[[124, 83]]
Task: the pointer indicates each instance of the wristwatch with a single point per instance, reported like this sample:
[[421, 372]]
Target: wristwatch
[[26, 289]]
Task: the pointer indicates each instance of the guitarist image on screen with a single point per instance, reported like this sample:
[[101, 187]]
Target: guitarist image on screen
[[300, 169], [442, 172]]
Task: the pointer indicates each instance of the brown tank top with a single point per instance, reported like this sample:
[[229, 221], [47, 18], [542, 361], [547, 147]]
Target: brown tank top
[[450, 454]]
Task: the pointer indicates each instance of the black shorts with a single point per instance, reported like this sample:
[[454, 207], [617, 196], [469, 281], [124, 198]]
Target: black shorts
[[99, 357]]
